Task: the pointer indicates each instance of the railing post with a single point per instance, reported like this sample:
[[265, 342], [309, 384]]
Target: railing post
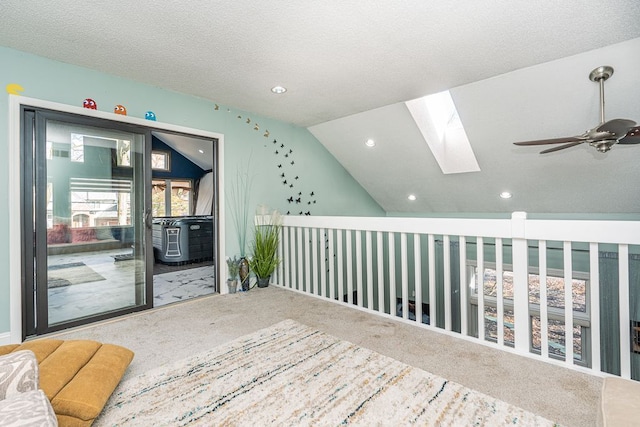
[[307, 263], [482, 325], [568, 303], [446, 261], [392, 274], [544, 314], [368, 249], [359, 283], [404, 274], [340, 264], [280, 269], [300, 260], [314, 260], [417, 259], [499, 291], [349, 259], [625, 344], [464, 296], [433, 303], [332, 264], [594, 281], [323, 262], [381, 282], [520, 282], [295, 284]]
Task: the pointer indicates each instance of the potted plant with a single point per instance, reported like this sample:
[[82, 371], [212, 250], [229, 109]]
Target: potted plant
[[233, 264], [238, 196], [264, 247]]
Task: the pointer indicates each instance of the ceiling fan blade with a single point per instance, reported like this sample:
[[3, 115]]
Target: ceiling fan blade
[[616, 127], [551, 141], [632, 137], [561, 147]]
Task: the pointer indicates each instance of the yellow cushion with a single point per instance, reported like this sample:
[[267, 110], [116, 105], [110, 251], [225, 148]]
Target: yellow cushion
[[78, 376], [86, 395]]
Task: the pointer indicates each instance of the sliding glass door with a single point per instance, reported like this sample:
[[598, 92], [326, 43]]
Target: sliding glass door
[[88, 218]]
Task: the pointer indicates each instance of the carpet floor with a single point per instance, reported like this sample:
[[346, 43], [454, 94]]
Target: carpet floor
[[178, 331]]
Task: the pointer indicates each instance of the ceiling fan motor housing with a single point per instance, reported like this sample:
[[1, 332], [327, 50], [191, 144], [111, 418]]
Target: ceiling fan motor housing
[[603, 145]]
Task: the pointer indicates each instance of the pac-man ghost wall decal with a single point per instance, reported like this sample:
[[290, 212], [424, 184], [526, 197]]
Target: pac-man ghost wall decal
[[150, 115], [120, 109], [14, 89], [90, 104]]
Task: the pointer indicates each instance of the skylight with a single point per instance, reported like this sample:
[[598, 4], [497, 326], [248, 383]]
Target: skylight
[[437, 118]]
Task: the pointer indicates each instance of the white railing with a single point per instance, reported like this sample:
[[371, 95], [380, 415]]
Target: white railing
[[427, 271]]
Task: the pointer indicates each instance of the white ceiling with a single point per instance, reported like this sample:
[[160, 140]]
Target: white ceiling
[[517, 70], [198, 150]]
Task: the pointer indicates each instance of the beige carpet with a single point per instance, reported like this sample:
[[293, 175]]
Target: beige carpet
[[178, 331], [291, 374]]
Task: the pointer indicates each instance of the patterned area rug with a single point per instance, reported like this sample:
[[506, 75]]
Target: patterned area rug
[[291, 374], [73, 273]]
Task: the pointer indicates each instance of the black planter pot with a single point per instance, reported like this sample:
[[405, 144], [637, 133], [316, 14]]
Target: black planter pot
[[263, 282]]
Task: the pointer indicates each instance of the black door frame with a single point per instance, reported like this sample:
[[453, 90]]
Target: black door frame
[[33, 220], [18, 204]]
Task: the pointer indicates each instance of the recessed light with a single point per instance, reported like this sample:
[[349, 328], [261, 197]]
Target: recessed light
[[370, 143], [411, 197], [201, 151], [505, 195], [278, 89]]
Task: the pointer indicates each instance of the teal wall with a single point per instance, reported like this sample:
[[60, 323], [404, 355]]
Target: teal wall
[[335, 191]]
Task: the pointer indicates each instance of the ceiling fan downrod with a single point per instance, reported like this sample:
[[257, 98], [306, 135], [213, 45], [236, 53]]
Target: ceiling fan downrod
[[600, 75]]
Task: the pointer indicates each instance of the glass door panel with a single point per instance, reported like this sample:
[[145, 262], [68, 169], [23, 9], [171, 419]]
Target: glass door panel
[[93, 200]]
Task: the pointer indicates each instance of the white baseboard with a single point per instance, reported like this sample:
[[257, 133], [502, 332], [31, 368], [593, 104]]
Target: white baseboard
[[5, 338]]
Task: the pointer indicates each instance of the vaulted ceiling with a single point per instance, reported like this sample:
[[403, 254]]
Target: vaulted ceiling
[[516, 71]]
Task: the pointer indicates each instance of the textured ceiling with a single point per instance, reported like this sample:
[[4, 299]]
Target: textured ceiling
[[349, 66]]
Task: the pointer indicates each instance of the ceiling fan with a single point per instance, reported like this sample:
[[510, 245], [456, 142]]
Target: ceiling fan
[[603, 136]]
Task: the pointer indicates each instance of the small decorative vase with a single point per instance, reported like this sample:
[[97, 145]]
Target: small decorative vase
[[263, 282], [243, 271], [232, 284]]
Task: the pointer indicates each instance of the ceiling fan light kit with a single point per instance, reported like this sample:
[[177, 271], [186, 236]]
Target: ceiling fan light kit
[[603, 136]]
